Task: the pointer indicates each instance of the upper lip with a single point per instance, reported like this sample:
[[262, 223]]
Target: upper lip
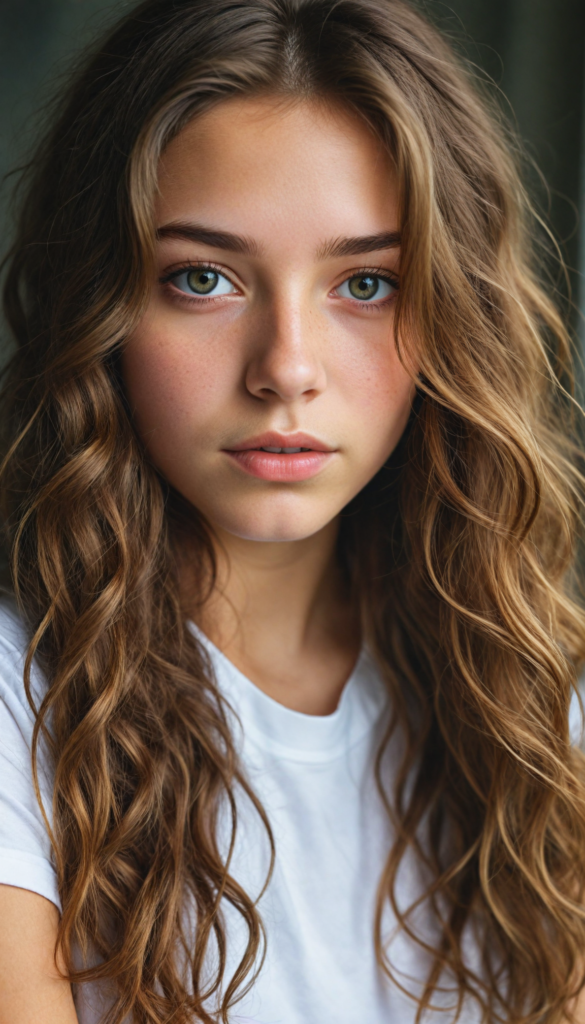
[[274, 440]]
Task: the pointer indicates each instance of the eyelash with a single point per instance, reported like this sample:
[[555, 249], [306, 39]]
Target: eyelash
[[179, 296], [194, 299], [384, 275]]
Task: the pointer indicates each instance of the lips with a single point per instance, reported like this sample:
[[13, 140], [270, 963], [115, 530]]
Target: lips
[[282, 458], [275, 440]]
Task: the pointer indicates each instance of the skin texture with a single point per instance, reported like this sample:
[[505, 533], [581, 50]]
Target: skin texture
[[31, 991], [288, 349]]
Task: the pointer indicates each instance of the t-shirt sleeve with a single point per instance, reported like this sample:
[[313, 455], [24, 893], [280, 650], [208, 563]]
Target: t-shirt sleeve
[[25, 848], [576, 722]]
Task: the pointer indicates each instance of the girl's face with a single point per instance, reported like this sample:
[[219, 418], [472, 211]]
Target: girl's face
[[271, 321]]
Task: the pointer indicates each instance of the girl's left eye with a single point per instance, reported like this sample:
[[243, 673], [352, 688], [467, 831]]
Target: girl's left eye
[[202, 281], [366, 287]]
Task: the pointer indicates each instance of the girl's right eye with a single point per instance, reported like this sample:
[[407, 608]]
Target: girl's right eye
[[202, 282]]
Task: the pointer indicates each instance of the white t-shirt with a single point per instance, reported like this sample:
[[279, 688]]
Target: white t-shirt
[[314, 776]]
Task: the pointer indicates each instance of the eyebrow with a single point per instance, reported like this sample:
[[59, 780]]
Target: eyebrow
[[248, 247], [209, 236], [359, 245]]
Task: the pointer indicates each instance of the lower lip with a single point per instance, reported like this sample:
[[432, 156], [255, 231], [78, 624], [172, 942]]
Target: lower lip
[[281, 468]]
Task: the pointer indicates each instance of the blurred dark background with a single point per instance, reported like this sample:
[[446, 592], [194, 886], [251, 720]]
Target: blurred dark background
[[533, 49]]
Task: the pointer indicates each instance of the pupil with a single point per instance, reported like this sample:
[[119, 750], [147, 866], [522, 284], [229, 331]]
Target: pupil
[[202, 281], [363, 287]]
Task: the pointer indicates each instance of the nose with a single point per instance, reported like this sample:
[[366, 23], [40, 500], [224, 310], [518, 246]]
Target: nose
[[286, 358]]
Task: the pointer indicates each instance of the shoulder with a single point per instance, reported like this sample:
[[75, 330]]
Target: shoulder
[[14, 641], [14, 636], [25, 846]]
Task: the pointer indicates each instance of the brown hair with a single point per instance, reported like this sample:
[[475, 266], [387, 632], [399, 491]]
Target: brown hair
[[461, 549]]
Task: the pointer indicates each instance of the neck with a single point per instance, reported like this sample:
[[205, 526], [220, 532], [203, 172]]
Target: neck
[[281, 613]]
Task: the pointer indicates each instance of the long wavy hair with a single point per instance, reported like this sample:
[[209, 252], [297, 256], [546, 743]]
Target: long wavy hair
[[461, 551]]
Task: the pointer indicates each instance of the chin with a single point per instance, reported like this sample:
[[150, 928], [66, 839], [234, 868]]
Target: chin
[[273, 525]]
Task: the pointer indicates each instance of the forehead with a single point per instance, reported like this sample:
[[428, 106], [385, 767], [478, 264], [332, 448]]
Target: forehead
[[261, 167]]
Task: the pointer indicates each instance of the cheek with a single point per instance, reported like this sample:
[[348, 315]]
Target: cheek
[[172, 382], [380, 391]]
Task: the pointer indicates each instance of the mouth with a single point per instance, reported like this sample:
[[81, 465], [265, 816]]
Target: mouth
[[281, 458], [282, 451]]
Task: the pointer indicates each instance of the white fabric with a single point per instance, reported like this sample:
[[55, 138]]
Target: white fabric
[[314, 776]]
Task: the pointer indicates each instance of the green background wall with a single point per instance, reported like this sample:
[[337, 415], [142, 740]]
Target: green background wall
[[534, 49]]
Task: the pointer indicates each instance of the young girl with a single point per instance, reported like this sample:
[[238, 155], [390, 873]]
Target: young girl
[[291, 503]]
